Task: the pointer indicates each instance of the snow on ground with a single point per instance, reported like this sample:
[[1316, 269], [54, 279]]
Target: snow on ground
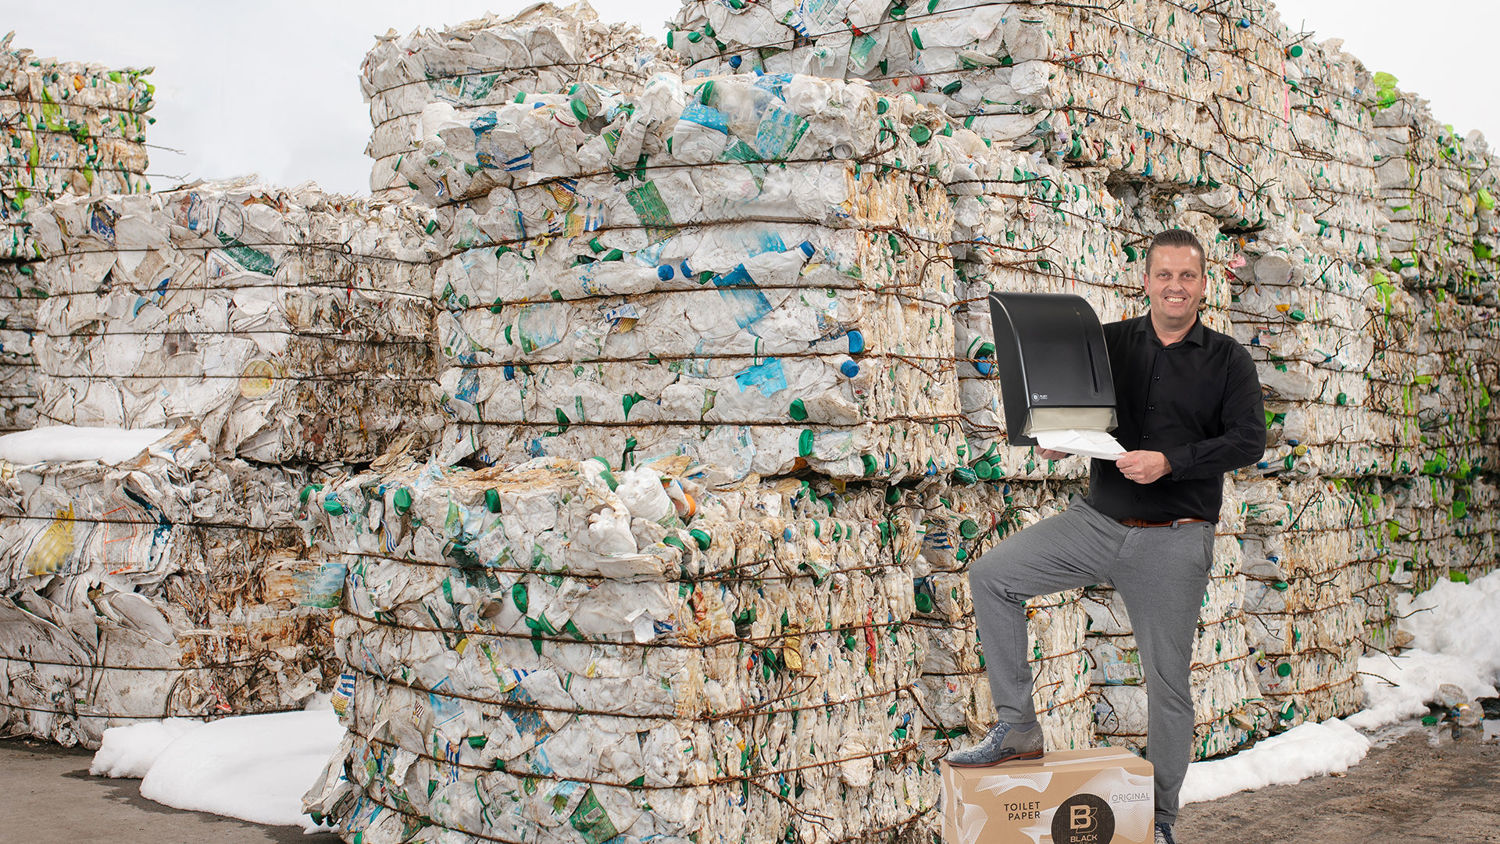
[[1453, 628], [256, 767], [252, 767]]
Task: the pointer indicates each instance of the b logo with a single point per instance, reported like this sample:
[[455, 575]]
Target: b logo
[[1083, 819]]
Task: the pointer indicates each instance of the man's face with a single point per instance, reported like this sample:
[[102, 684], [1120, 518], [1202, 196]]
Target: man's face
[[1174, 283]]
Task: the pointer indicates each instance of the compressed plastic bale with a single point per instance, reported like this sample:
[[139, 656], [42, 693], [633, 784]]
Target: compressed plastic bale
[[169, 584], [71, 128], [781, 304], [544, 49], [284, 324], [504, 625], [1014, 76]]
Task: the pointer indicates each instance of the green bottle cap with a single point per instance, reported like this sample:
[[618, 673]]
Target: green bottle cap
[[798, 410], [702, 538], [805, 443], [924, 602], [920, 133], [492, 500], [968, 528], [870, 464], [580, 109], [893, 495], [1283, 669], [402, 499]]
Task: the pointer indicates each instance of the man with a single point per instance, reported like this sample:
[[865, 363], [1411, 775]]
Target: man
[[1189, 408]]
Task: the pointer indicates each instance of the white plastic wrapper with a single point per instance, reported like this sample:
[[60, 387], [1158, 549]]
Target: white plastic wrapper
[[283, 324], [165, 584], [544, 49], [499, 625]]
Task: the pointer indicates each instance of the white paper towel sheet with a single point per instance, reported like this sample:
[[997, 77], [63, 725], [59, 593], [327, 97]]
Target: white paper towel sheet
[[1087, 443]]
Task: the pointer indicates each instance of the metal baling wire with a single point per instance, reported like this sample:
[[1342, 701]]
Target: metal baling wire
[[429, 822], [724, 780], [721, 641], [750, 711], [726, 575]]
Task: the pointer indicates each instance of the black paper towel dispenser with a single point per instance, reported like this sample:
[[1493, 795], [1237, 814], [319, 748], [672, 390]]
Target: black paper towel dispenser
[[1053, 365]]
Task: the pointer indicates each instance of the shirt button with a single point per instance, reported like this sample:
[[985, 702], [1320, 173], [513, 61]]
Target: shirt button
[[1146, 437], [1156, 378], [1150, 407]]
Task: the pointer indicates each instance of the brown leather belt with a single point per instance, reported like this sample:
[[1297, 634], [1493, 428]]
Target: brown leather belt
[[1142, 523]]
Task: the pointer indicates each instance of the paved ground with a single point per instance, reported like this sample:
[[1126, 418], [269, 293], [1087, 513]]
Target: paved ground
[[1409, 791], [48, 797]]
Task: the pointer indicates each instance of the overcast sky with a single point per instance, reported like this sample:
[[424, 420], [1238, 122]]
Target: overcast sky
[[272, 87]]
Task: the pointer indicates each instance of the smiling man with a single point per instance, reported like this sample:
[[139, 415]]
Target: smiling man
[[1189, 408]]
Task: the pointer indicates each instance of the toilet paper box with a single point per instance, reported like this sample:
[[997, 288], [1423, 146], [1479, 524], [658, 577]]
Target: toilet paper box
[[1101, 795]]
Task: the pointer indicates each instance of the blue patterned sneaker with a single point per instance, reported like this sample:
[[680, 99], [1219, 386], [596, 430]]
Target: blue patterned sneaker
[[1164, 834], [1003, 743]]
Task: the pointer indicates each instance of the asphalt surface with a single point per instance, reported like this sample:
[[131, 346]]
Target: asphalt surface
[[47, 796]]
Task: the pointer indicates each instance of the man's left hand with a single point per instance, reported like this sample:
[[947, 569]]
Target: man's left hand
[[1143, 467]]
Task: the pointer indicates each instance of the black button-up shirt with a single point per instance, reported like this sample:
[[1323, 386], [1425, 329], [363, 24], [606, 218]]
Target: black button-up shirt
[[1197, 401]]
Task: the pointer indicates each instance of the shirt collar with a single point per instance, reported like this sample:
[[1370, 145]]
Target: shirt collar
[[1196, 335]]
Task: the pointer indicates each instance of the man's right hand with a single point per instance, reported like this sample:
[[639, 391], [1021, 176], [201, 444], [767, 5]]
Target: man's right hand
[[1049, 454]]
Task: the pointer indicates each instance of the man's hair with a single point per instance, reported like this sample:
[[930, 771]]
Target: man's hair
[[1178, 237]]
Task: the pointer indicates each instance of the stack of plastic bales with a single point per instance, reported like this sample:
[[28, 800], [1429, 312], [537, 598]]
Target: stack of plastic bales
[[960, 524], [69, 129], [487, 62], [280, 327], [751, 270], [141, 578], [564, 649], [286, 325]]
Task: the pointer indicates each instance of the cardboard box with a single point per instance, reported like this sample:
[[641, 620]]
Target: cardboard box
[[1103, 795]]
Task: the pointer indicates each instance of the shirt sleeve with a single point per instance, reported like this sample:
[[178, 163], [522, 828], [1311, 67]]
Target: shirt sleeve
[[1242, 418]]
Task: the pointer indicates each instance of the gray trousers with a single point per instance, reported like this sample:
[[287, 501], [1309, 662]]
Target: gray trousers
[[1161, 573]]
